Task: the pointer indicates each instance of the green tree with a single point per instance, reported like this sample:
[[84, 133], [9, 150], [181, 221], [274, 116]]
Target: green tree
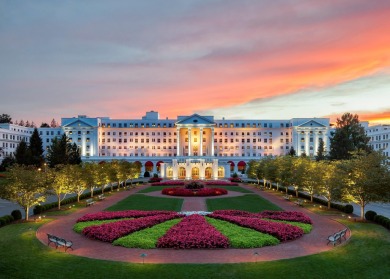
[[76, 182], [331, 180], [24, 186], [292, 152], [7, 162], [270, 170], [310, 176], [133, 171], [22, 153], [88, 176], [61, 152], [5, 118], [61, 183], [255, 170], [348, 137], [321, 152], [36, 149], [367, 179], [44, 125]]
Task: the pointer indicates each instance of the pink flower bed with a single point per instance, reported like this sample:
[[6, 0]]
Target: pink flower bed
[[205, 192], [108, 215], [233, 212], [205, 182], [281, 231], [193, 232], [111, 231], [292, 216]]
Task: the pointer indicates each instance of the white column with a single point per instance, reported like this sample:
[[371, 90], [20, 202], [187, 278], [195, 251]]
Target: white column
[[316, 143], [212, 141], [189, 142], [178, 141], [162, 170], [175, 169], [188, 170], [227, 170], [215, 169], [307, 143], [201, 142]]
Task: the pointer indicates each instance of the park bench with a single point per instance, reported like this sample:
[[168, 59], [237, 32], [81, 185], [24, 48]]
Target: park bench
[[89, 202], [299, 202], [286, 197], [59, 242], [337, 237], [101, 197]]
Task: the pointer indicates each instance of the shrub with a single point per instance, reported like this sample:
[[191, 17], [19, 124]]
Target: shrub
[[382, 220], [370, 215], [16, 214], [2, 221], [146, 174], [348, 208]]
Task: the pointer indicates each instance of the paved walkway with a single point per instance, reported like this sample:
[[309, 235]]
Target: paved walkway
[[312, 243]]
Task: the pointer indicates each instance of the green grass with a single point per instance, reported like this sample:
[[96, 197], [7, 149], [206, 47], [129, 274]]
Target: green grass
[[142, 202], [249, 202], [240, 237], [154, 189], [78, 227], [147, 238], [366, 255]]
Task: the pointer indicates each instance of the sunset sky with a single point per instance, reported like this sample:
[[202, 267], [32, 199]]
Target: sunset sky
[[276, 59]]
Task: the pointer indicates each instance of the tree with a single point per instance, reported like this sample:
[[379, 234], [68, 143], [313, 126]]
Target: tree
[[270, 170], [5, 118], [255, 170], [348, 137], [330, 180], [133, 171], [61, 152], [76, 182], [321, 152], [22, 154], [24, 187], [53, 124], [7, 162], [367, 179], [61, 183], [44, 125], [36, 149], [292, 152], [88, 176], [21, 123], [309, 179]]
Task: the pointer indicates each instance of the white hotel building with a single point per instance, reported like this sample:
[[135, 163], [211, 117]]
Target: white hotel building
[[188, 147]]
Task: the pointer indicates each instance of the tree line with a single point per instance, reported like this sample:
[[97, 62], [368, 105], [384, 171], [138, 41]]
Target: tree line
[[29, 186]]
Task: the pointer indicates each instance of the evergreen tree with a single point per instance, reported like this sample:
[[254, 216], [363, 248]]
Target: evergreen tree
[[53, 124], [22, 154], [61, 152], [5, 118], [348, 137], [292, 152], [36, 149], [321, 151], [7, 162], [45, 125]]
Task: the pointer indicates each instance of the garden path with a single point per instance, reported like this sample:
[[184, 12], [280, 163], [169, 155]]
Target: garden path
[[312, 243]]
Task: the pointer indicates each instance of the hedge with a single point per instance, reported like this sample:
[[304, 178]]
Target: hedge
[[382, 220], [6, 219]]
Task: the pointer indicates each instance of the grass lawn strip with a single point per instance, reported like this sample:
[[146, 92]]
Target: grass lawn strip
[[78, 227], [305, 227], [142, 202], [160, 188], [240, 237], [147, 238], [249, 202]]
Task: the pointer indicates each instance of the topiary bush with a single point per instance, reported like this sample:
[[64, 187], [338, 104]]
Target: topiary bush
[[146, 174], [16, 214], [370, 215], [194, 185]]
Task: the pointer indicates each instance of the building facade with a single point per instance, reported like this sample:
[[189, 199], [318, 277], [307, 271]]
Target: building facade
[[193, 146]]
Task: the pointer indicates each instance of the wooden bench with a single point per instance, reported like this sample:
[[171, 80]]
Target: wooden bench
[[299, 202], [287, 197], [101, 197], [337, 237], [89, 202], [59, 242]]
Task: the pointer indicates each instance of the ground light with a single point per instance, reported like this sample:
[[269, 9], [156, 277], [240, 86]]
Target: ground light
[[143, 256]]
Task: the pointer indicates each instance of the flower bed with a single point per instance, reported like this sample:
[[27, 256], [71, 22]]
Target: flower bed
[[193, 232], [205, 182], [205, 192], [106, 215], [220, 229], [111, 231], [281, 231], [292, 216], [169, 183]]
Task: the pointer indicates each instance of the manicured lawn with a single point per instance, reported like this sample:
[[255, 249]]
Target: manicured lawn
[[154, 189], [367, 255], [142, 202], [250, 202]]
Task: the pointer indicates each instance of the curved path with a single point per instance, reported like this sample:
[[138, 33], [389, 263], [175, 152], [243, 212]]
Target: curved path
[[312, 243]]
